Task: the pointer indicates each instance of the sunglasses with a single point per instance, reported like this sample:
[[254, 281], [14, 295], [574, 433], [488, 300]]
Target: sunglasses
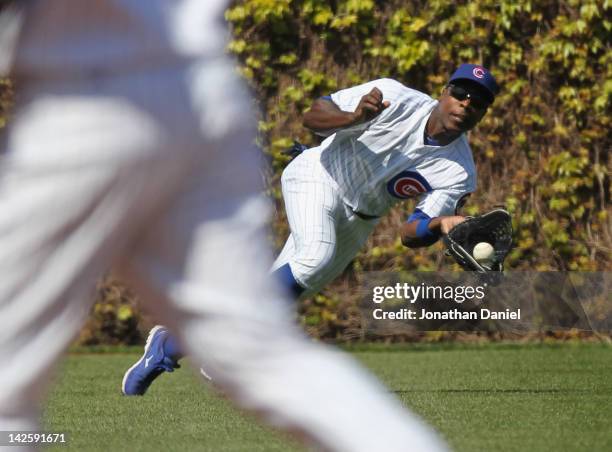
[[460, 93]]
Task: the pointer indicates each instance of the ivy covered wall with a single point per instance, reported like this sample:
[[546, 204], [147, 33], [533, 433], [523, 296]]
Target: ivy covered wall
[[543, 150]]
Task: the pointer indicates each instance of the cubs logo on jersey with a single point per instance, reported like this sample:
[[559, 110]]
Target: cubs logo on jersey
[[407, 184]]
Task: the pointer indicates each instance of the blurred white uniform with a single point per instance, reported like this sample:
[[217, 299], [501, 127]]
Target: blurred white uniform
[[130, 144]]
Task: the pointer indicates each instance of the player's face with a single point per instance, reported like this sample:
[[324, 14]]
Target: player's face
[[462, 105]]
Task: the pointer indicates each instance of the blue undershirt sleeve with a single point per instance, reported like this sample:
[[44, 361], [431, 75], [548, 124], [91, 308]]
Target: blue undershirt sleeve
[[422, 232]]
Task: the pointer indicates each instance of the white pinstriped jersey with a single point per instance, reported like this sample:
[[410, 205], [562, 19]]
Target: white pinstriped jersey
[[378, 163]]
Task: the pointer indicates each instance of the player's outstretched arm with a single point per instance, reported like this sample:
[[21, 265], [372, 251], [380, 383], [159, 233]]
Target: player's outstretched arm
[[325, 116], [425, 232]]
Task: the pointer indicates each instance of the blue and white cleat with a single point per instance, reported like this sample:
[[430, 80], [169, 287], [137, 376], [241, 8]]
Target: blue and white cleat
[[151, 365]]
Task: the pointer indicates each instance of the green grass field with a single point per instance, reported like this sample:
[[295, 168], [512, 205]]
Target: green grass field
[[481, 397]]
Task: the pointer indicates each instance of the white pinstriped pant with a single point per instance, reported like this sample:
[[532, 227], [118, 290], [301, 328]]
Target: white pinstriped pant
[[325, 234]]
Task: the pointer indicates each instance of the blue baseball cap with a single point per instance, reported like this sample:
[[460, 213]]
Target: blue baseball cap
[[477, 74]]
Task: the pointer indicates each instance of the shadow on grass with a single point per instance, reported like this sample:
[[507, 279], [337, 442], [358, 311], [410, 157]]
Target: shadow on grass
[[502, 391]]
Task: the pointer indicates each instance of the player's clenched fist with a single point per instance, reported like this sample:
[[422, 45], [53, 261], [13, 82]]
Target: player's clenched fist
[[325, 117], [370, 106]]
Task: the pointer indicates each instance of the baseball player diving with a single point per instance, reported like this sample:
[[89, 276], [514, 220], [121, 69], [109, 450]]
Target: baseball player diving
[[384, 143]]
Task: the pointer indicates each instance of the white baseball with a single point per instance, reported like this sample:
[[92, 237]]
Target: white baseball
[[483, 252]]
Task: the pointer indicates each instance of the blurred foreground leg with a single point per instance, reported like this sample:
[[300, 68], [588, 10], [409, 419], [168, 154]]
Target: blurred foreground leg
[[205, 265]]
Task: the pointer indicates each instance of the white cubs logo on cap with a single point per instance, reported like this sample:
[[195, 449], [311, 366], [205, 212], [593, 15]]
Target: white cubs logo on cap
[[478, 72], [407, 184]]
